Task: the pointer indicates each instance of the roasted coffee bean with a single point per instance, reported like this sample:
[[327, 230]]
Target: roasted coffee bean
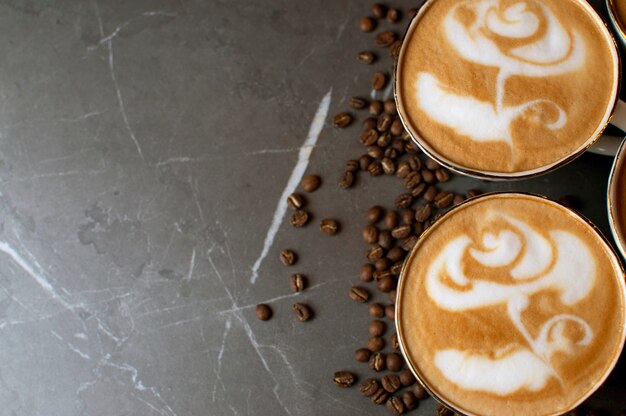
[[407, 216], [472, 193], [419, 190], [398, 145], [263, 312], [347, 180], [375, 344], [288, 257], [384, 140], [385, 240], [303, 313], [388, 166], [375, 152], [403, 201], [369, 123], [310, 183], [406, 377], [403, 169], [420, 392], [423, 212], [391, 152], [299, 218], [379, 80], [376, 310], [297, 282], [329, 226], [390, 382], [395, 254], [412, 180], [357, 103], [393, 340], [362, 355], [365, 161], [370, 234], [375, 168], [444, 199], [342, 120], [393, 294], [376, 108], [377, 362], [380, 396], [390, 106], [368, 387], [395, 405], [418, 228], [385, 39], [415, 162], [409, 400], [390, 312], [442, 175], [375, 214], [366, 57], [384, 122], [295, 201], [412, 12], [379, 10], [458, 199], [443, 411], [382, 264], [431, 164], [367, 24], [393, 15], [343, 379], [401, 231], [394, 362], [359, 295], [396, 127], [394, 49], [377, 329], [396, 268], [391, 219], [386, 284], [430, 194], [367, 273], [375, 253], [381, 274], [408, 243], [369, 137], [428, 176]]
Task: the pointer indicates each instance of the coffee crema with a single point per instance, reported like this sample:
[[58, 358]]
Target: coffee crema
[[506, 87], [511, 305]]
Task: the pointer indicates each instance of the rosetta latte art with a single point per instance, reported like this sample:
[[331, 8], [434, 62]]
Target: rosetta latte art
[[481, 31], [562, 264]]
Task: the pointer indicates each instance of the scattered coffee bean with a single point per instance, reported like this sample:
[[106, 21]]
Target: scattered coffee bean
[[370, 234], [379, 80], [359, 295], [393, 15], [394, 362], [385, 240], [389, 106], [376, 108], [444, 199], [288, 257], [347, 180], [364, 162], [393, 295], [394, 49], [396, 268], [472, 193], [390, 312], [407, 378], [376, 310], [401, 231], [383, 141], [408, 216], [396, 127], [369, 123], [375, 168], [379, 10], [418, 228], [395, 405], [375, 152], [295, 201], [369, 387], [409, 400], [423, 212], [391, 383], [443, 411], [366, 57], [299, 218], [458, 199], [375, 344], [430, 194], [391, 219], [395, 254], [385, 39], [412, 180], [386, 284], [419, 190], [431, 164], [412, 12], [263, 312], [310, 183], [374, 214], [403, 169], [362, 355], [343, 379], [428, 176], [342, 120], [297, 282], [352, 165], [382, 264], [408, 243], [403, 201], [357, 103], [442, 175], [367, 273], [377, 362], [367, 24], [377, 329], [303, 313], [381, 275], [393, 341], [329, 226], [380, 396], [420, 392], [388, 166], [384, 122]]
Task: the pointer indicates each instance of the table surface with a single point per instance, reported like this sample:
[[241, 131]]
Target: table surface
[[145, 147]]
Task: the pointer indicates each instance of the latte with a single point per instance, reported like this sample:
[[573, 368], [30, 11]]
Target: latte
[[513, 305], [506, 88]]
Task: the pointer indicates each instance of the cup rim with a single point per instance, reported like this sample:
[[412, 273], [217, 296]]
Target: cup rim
[[507, 176], [618, 237], [615, 19], [621, 280]]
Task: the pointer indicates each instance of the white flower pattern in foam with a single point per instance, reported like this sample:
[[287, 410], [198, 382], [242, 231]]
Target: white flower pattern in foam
[[565, 266], [555, 53]]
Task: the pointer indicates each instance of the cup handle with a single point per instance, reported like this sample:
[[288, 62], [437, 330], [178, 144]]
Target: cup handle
[[608, 145]]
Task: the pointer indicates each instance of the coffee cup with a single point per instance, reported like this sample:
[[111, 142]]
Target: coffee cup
[[511, 304], [616, 199], [617, 17], [503, 89]]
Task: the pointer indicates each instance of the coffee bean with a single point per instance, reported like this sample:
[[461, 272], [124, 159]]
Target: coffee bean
[[295, 201], [362, 355], [377, 329], [444, 199], [347, 180], [370, 234], [297, 282], [381, 275], [420, 392], [409, 400], [386, 284], [376, 310], [375, 344], [384, 122], [364, 162], [402, 231], [385, 39], [374, 214], [443, 411], [385, 240], [412, 12], [408, 243], [393, 294], [342, 120], [369, 123], [428, 176], [375, 253], [458, 199], [389, 106], [310, 183], [407, 216], [398, 145], [375, 168], [412, 179], [388, 166], [394, 49], [418, 227], [395, 405], [472, 193], [403, 169], [288, 257], [396, 268], [442, 175], [303, 313], [367, 273], [396, 127], [393, 341], [380, 396], [357, 103], [403, 201], [376, 108], [393, 15], [391, 153], [415, 162], [367, 24], [377, 362], [379, 10], [366, 57], [359, 295], [390, 312], [394, 362], [299, 218], [383, 141], [343, 379], [375, 152], [395, 254], [379, 80], [407, 378], [382, 264], [391, 219], [391, 383], [263, 312], [430, 194], [432, 164], [329, 226], [419, 190], [423, 212], [369, 387]]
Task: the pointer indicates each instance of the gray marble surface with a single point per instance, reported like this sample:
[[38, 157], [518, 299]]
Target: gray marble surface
[[145, 147]]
